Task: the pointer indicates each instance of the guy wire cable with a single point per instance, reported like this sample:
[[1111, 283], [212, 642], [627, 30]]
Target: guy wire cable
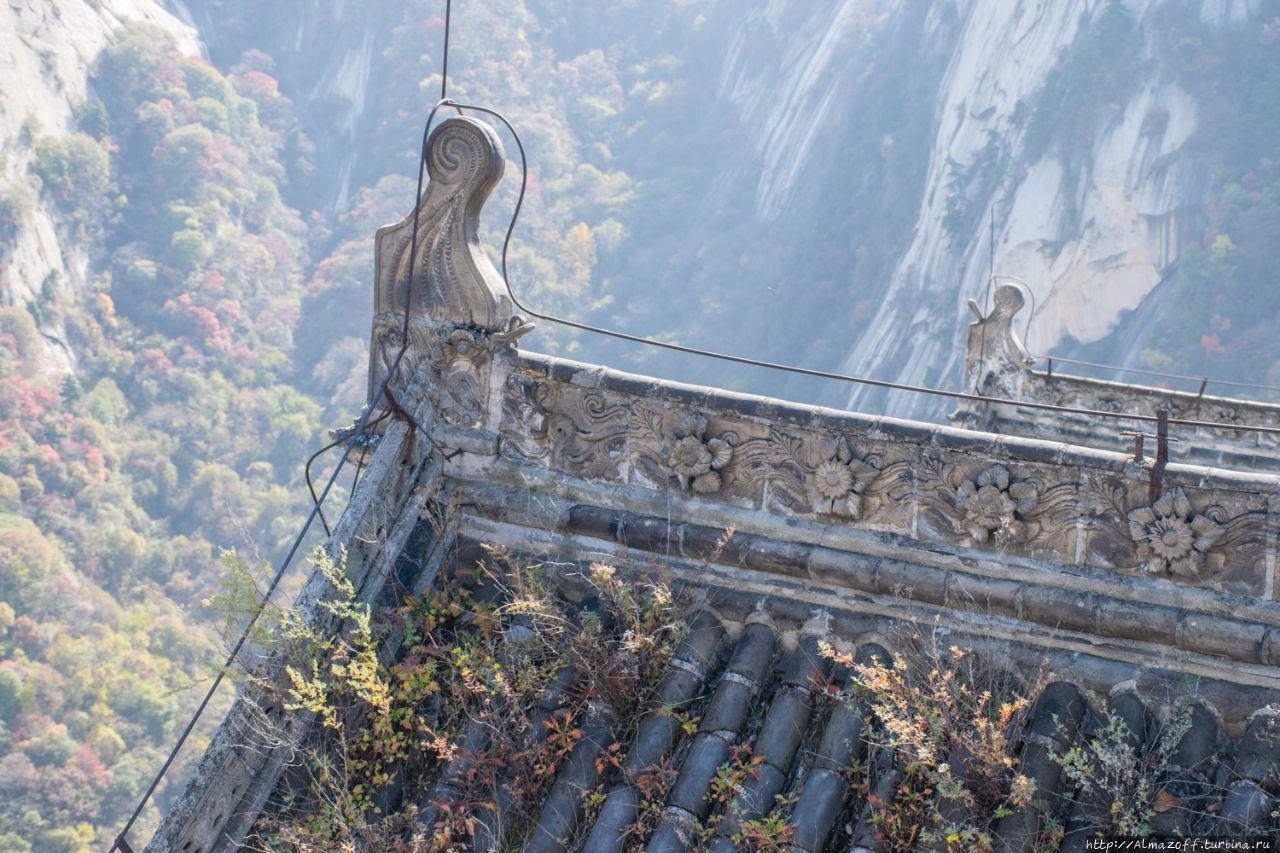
[[121, 842]]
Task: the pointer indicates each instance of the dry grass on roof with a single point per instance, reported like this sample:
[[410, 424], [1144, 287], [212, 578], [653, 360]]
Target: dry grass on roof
[[530, 707]]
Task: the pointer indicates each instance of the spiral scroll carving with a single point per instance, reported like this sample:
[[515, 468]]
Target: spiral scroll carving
[[464, 152], [452, 284]]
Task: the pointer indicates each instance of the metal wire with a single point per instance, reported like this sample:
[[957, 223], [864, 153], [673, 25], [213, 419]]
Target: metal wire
[[444, 73], [121, 842], [787, 368], [1159, 374]]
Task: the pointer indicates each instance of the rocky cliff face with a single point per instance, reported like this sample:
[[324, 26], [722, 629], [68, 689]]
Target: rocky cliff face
[[47, 48], [325, 56], [1090, 229]]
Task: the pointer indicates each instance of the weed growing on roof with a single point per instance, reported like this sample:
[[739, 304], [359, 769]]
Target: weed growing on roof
[[239, 595], [1120, 779], [772, 833], [950, 720], [496, 683]]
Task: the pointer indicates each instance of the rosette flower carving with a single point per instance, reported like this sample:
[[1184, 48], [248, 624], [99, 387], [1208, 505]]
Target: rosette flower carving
[[994, 506], [837, 484], [695, 459], [1171, 537]]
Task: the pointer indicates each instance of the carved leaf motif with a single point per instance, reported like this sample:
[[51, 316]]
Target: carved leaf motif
[[790, 448], [893, 481], [772, 463], [599, 409]]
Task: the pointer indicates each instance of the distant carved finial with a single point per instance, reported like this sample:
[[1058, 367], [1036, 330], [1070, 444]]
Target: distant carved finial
[[993, 342], [457, 305], [996, 358]]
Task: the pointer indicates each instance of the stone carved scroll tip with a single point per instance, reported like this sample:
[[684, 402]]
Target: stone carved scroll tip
[[434, 280], [453, 279], [995, 357], [994, 334]]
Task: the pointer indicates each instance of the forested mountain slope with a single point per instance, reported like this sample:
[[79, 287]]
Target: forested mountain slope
[[186, 219]]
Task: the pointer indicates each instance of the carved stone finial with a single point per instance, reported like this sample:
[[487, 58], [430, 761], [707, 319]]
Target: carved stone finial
[[454, 281], [995, 351], [454, 288], [996, 359]]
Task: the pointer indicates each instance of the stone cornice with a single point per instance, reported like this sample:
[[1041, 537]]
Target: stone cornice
[[1000, 496]]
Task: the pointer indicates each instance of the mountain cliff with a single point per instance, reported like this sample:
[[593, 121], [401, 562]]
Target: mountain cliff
[[813, 184], [1090, 208], [47, 48]]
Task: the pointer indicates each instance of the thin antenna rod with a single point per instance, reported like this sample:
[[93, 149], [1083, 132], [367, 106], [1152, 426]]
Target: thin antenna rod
[[992, 259], [444, 71]]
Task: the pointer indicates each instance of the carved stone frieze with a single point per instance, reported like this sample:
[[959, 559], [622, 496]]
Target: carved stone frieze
[[1074, 509]]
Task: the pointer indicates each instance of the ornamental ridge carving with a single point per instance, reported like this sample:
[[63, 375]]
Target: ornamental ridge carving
[[996, 361], [453, 279], [1071, 515], [453, 311]]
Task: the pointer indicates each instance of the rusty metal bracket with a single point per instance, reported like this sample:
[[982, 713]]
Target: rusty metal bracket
[[1162, 455], [1137, 443]]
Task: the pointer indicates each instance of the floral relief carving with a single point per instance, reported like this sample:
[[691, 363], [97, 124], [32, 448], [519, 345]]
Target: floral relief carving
[[995, 506], [695, 459], [837, 484], [1171, 537]]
